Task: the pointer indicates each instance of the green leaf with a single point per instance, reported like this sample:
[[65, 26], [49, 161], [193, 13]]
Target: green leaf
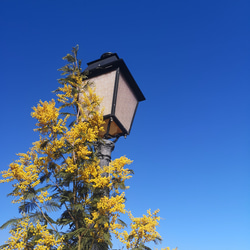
[[69, 58], [67, 113], [10, 222], [121, 222], [27, 207]]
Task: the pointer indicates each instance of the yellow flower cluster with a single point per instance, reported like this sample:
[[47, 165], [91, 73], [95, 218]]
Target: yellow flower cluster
[[102, 178], [89, 102], [19, 239], [46, 240], [67, 94], [43, 197], [115, 172], [89, 107], [118, 172], [46, 113], [116, 167], [80, 133], [47, 151], [90, 171], [143, 230], [113, 206], [83, 152], [24, 172], [89, 119], [60, 126], [109, 205], [70, 166], [54, 146]]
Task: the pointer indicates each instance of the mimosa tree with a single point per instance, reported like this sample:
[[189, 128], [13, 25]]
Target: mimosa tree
[[61, 172]]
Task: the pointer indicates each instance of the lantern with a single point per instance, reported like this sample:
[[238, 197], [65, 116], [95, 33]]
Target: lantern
[[120, 93]]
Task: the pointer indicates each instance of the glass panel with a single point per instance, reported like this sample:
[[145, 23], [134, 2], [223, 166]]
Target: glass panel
[[104, 88], [126, 104], [113, 130]]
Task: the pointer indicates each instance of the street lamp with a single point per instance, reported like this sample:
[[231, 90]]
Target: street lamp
[[120, 95], [119, 92]]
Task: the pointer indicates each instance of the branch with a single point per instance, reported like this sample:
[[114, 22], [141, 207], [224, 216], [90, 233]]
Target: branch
[[45, 216]]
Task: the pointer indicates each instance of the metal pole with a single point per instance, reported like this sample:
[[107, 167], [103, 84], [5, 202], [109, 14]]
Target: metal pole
[[104, 149]]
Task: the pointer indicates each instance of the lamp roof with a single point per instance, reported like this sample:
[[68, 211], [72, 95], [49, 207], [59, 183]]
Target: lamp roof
[[108, 62]]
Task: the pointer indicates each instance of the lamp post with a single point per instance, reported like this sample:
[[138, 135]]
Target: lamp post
[[120, 95]]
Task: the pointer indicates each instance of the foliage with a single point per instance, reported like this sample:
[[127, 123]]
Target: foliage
[[41, 237], [61, 172]]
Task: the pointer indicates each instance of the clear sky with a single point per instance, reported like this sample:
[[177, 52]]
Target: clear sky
[[190, 138]]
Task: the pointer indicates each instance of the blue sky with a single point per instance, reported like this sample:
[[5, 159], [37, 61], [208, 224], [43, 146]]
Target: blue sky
[[190, 138]]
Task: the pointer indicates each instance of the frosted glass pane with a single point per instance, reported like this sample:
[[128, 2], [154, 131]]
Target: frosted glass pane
[[126, 104], [104, 85], [113, 130]]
